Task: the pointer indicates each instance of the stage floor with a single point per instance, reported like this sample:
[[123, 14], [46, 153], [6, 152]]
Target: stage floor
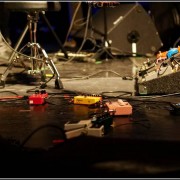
[[144, 144]]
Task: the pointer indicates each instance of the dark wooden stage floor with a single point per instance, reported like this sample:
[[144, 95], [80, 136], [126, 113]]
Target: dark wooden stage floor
[[144, 144]]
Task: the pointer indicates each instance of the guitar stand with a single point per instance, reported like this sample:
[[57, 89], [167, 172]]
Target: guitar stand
[[38, 56]]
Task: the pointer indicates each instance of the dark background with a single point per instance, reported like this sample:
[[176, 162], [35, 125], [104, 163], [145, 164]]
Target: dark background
[[164, 14]]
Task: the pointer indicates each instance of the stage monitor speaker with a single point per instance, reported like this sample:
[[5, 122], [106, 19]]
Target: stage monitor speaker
[[127, 23]]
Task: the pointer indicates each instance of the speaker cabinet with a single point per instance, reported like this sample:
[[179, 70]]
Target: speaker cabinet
[[127, 24]]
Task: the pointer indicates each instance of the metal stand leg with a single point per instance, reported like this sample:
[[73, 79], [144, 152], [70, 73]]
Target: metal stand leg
[[50, 63], [58, 82], [11, 60], [105, 47], [38, 55]]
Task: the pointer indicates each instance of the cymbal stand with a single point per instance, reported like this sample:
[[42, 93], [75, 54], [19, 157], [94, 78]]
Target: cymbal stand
[[38, 56]]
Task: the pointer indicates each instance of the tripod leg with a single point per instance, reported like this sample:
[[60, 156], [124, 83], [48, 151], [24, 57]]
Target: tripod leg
[[58, 82], [55, 35], [11, 60]]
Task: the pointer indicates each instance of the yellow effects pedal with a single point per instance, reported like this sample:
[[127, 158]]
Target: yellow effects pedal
[[87, 100]]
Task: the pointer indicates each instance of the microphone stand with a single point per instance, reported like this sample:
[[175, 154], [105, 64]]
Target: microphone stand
[[105, 47]]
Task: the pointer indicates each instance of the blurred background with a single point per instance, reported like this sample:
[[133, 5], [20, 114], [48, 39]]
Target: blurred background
[[165, 16]]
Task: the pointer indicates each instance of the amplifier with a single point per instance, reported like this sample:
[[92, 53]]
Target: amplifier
[[159, 80], [161, 85]]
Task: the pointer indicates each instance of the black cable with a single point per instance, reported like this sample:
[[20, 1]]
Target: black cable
[[41, 127], [93, 74], [158, 74], [64, 91], [85, 35], [177, 58], [148, 98], [72, 21], [9, 92], [63, 95], [132, 123], [44, 84], [11, 100], [55, 35], [32, 90], [123, 93], [68, 100], [144, 100], [176, 62]]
